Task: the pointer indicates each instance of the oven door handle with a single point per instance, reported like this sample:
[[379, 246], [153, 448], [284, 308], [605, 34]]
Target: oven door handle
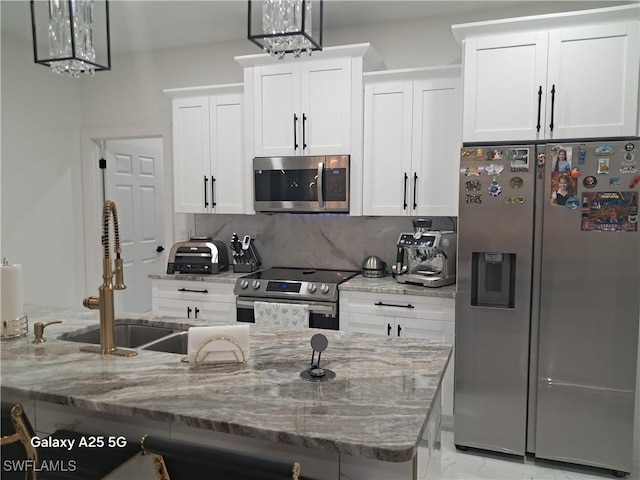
[[313, 307]]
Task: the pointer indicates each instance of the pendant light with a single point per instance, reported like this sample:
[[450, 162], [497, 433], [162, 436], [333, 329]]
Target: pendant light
[[286, 26], [71, 36]]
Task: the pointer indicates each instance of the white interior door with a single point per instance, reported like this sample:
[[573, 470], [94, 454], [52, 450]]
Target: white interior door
[[133, 180]]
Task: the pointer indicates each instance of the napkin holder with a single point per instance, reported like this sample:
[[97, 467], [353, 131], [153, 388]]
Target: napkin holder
[[202, 354]]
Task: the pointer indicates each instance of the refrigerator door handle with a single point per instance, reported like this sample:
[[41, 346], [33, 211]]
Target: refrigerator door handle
[[415, 188], [539, 106], [553, 104]]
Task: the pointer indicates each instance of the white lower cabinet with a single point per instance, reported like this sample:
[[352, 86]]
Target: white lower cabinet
[[410, 316], [194, 300]]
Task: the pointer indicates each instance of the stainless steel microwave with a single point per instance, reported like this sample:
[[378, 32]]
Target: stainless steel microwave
[[311, 184]]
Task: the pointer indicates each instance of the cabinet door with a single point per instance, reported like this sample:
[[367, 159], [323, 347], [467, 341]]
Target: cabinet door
[[373, 324], [168, 307], [420, 328], [503, 76], [218, 311], [387, 148], [191, 154], [325, 107], [595, 74], [277, 110], [227, 154], [436, 144]]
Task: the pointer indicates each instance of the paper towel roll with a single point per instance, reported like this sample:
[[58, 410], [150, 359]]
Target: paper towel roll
[[225, 343], [11, 295]]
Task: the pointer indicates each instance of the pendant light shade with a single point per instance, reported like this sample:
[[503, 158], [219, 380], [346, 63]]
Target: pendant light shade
[[286, 26], [71, 36]]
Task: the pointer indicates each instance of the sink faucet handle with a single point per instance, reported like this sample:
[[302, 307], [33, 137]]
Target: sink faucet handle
[[119, 285], [38, 330]]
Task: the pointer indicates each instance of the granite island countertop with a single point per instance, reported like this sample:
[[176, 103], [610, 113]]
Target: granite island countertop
[[376, 407]]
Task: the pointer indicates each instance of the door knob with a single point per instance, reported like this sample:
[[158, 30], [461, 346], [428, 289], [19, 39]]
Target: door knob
[[159, 249]]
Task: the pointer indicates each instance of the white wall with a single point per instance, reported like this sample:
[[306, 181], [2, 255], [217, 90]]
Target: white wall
[[41, 185]]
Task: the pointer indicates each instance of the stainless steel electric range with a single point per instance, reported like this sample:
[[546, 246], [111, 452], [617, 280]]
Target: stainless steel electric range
[[315, 287]]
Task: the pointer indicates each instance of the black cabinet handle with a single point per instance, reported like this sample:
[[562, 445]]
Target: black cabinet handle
[[159, 249], [553, 104], [382, 304], [415, 189], [388, 329], [206, 203], [406, 177], [197, 312], [188, 312], [193, 291], [295, 130], [213, 197], [304, 131], [399, 330], [539, 107]]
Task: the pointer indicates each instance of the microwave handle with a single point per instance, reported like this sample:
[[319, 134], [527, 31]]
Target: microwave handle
[[320, 184]]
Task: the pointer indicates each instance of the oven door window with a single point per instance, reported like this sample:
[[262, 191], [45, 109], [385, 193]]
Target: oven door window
[[321, 315]]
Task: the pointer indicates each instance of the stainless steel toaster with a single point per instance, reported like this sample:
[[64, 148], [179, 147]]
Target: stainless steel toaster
[[201, 255]]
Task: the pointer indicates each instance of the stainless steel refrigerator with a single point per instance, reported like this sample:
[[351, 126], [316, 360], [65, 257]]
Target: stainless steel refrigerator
[[547, 307]]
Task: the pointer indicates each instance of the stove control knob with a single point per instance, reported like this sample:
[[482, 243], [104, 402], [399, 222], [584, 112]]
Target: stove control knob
[[312, 288], [324, 288], [255, 284], [244, 284]]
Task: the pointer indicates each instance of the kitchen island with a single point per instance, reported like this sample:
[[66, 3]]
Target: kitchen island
[[379, 418]]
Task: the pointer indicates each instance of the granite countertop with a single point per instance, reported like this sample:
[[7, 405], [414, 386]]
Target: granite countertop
[[376, 407], [223, 277], [389, 284], [358, 283]]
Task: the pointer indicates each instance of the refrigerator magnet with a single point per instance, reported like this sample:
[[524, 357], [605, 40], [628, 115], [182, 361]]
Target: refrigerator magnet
[[516, 182], [614, 181], [496, 154], [495, 189], [590, 181], [629, 147], [582, 153], [473, 198], [473, 186], [573, 203], [603, 166], [629, 163], [604, 150]]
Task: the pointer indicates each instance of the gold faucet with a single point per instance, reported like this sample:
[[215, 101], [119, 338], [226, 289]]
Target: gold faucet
[[104, 300]]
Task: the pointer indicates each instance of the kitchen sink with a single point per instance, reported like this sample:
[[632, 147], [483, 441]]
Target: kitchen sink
[[175, 343], [127, 335]]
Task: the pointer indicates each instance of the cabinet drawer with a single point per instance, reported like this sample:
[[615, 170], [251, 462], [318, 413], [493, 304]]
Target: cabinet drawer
[[404, 306], [193, 291]]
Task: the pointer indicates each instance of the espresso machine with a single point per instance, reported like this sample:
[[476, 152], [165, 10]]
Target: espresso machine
[[426, 257]]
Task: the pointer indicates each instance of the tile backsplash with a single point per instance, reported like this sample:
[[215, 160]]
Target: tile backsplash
[[334, 241]]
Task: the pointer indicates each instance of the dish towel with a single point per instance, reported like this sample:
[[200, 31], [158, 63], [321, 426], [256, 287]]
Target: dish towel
[[285, 315], [222, 344]]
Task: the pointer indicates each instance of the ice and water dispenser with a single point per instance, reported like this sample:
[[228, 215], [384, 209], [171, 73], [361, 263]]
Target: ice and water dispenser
[[493, 279]]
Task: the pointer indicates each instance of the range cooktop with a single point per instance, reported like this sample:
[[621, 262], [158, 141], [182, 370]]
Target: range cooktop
[[317, 284]]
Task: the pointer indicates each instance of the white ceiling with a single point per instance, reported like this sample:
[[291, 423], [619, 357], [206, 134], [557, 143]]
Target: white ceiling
[[158, 24]]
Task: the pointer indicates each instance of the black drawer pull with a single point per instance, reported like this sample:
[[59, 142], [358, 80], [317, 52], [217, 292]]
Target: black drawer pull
[[193, 291], [381, 304]]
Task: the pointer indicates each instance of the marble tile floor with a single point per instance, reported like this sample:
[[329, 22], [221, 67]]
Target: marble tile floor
[[483, 465]]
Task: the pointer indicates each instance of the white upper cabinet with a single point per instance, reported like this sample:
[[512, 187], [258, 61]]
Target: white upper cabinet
[[308, 106], [572, 75], [303, 108], [411, 142], [208, 146]]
